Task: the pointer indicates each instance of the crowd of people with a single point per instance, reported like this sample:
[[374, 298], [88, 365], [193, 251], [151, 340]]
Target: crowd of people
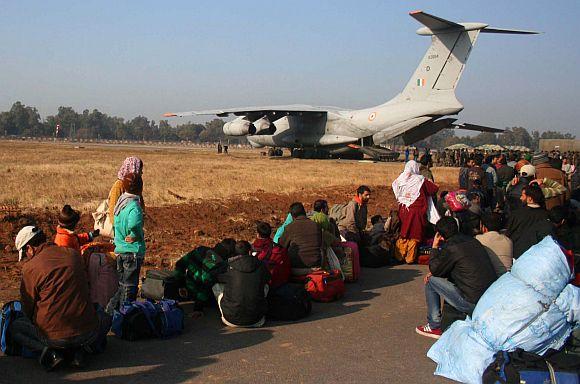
[[473, 235]]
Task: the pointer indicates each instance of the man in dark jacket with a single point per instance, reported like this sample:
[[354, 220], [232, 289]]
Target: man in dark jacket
[[242, 296], [460, 272], [303, 239], [475, 172], [527, 226], [59, 317]]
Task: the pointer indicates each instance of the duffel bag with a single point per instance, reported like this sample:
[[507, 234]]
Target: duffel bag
[[145, 320], [325, 286], [351, 269], [163, 284], [374, 256], [288, 302]]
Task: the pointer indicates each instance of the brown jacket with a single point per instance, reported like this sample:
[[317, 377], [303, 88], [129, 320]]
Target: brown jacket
[[54, 292], [303, 239], [356, 218], [545, 170]]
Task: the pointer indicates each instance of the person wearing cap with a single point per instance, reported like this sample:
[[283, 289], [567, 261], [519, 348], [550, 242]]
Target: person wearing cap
[[528, 225], [129, 240], [59, 319], [545, 171], [514, 190], [131, 164], [65, 236]]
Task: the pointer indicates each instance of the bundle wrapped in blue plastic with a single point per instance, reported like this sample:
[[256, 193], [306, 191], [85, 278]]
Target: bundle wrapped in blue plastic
[[533, 308]]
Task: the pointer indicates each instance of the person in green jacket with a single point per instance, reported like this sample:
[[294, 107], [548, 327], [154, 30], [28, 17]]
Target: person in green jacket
[[129, 241]]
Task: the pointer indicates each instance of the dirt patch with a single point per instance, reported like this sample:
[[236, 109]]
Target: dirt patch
[[173, 230]]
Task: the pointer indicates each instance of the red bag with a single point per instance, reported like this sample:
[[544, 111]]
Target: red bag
[[325, 286], [351, 252], [457, 201]]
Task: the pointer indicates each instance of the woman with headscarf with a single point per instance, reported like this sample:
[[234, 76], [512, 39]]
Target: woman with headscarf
[[131, 165], [412, 192]]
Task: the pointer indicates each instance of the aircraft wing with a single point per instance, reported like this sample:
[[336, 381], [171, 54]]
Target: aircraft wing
[[282, 110], [480, 128]]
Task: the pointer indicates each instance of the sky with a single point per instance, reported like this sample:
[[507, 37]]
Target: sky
[[129, 58]]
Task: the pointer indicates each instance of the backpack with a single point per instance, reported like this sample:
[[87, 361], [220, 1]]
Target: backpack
[[277, 262], [338, 212], [144, 320], [289, 302], [11, 311], [325, 286]]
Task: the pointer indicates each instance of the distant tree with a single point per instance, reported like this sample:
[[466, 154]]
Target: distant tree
[[556, 135], [167, 132], [189, 131], [484, 138]]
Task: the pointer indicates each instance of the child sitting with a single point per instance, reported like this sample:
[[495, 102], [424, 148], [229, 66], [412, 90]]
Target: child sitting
[[68, 219], [274, 257], [242, 296]]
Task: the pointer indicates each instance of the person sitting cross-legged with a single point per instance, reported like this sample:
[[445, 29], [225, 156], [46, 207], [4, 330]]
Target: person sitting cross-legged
[[460, 272], [59, 320]]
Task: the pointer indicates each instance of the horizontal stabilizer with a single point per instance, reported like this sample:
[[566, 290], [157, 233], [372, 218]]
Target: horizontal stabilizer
[[479, 128], [508, 31], [433, 22]]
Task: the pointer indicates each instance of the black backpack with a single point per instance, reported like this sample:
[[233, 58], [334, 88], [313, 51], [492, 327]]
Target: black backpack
[[289, 302]]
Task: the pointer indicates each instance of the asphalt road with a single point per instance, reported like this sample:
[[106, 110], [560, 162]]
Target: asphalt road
[[368, 337]]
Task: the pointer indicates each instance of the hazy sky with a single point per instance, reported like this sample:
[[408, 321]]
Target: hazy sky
[[130, 58]]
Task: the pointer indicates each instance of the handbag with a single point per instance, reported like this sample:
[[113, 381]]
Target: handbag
[[102, 220]]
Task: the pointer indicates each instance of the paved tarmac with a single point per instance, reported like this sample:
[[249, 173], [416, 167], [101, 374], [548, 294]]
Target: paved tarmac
[[368, 337]]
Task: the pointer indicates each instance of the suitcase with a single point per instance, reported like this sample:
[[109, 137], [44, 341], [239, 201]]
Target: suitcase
[[102, 271], [351, 267], [163, 284]]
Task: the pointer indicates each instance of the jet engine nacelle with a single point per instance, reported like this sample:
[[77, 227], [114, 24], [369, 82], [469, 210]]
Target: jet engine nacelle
[[239, 127]]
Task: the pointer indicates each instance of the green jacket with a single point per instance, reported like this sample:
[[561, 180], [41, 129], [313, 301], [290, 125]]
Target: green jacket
[[200, 268], [129, 222]]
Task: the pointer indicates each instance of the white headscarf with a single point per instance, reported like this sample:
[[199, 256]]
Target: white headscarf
[[407, 187]]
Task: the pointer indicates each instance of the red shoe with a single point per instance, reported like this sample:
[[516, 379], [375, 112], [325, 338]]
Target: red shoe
[[426, 330]]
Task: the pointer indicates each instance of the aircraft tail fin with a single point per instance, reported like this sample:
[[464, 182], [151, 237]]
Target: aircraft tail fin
[[442, 66]]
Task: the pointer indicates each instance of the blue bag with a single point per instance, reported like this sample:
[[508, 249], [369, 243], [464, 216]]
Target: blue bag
[[10, 312], [145, 319]]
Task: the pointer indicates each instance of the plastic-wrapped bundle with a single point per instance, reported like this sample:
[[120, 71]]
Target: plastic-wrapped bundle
[[531, 308]]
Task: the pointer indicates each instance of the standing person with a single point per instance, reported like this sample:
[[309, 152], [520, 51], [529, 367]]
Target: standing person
[[412, 192], [66, 236], [544, 170], [459, 273], [505, 175], [59, 318], [131, 164], [527, 226], [407, 152], [425, 169], [475, 172], [129, 240]]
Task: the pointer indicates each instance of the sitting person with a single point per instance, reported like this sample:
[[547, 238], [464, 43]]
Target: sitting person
[[528, 225], [354, 223], [59, 319], [303, 240], [68, 219], [470, 218], [273, 256], [241, 293], [329, 229], [460, 272], [499, 247]]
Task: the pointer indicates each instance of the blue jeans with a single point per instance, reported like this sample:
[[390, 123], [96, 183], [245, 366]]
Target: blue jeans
[[437, 288], [128, 270]]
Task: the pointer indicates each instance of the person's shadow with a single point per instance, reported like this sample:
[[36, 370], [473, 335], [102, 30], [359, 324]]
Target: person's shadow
[[170, 361]]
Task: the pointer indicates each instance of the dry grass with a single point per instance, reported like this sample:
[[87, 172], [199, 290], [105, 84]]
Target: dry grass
[[37, 175]]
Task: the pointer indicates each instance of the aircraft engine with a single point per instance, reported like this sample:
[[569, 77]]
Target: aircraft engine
[[239, 127], [261, 124]]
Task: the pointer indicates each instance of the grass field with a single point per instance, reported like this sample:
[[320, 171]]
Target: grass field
[[39, 175]]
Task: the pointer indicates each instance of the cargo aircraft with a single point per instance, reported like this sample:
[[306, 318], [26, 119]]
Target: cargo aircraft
[[425, 106]]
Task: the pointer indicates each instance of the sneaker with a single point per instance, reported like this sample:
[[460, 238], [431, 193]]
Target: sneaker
[[50, 359], [426, 330]]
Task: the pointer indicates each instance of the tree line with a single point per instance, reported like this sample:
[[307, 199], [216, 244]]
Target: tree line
[[22, 120]]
